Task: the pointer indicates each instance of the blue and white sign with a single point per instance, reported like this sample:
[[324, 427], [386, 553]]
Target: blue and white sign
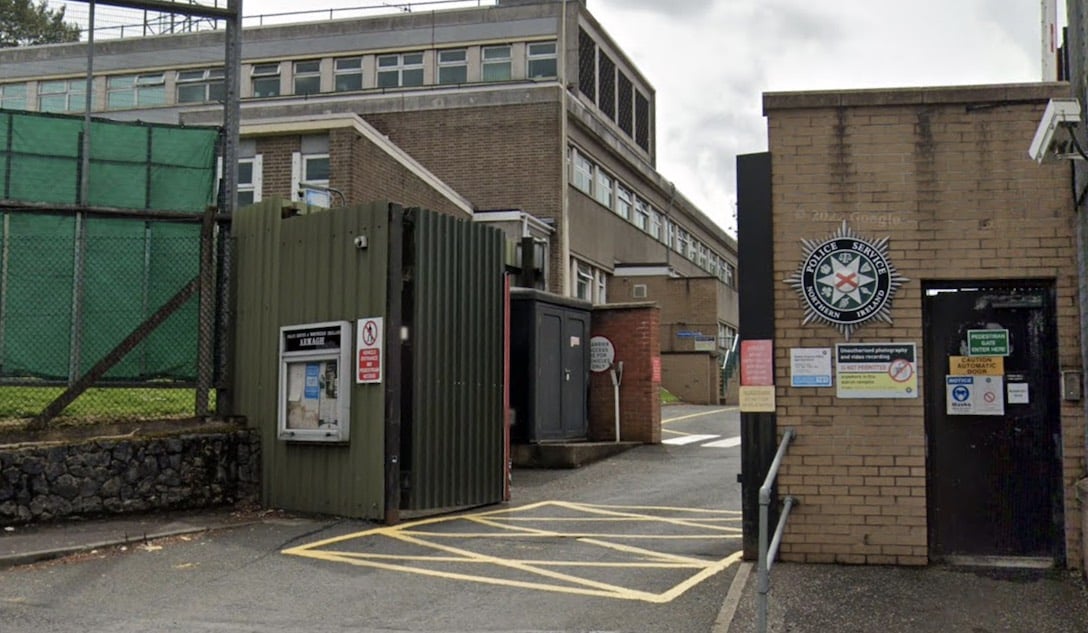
[[810, 367], [974, 395]]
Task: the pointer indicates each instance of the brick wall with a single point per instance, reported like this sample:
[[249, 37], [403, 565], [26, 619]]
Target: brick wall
[[498, 156], [952, 188], [360, 170], [633, 330]]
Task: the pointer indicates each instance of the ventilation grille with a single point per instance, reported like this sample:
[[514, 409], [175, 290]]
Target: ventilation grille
[[638, 291]]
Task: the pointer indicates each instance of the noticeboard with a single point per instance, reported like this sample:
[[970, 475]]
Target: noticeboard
[[314, 382]]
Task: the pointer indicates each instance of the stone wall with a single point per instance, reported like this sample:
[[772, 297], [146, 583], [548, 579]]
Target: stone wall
[[129, 474]]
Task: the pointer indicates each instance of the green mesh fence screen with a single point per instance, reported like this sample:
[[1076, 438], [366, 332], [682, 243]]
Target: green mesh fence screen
[[66, 302], [132, 165]]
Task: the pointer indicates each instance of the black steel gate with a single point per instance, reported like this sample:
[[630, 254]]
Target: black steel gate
[[992, 419]]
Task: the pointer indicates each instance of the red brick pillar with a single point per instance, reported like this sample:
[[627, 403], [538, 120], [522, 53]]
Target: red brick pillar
[[633, 329]]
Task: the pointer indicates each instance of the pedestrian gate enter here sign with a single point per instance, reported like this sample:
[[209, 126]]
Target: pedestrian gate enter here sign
[[987, 342]]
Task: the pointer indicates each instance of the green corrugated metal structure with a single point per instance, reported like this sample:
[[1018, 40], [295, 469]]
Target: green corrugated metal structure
[[429, 437]]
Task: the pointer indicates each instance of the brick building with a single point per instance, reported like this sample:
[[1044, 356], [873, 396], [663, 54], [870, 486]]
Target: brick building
[[524, 105], [924, 442]]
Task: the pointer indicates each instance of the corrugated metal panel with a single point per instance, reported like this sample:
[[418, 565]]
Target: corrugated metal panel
[[301, 270], [455, 453]]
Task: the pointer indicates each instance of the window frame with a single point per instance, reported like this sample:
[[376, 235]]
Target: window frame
[[262, 74], [546, 58], [68, 93], [642, 214], [6, 100], [342, 71], [624, 201], [582, 173], [307, 75], [459, 65], [603, 187], [211, 82], [505, 61], [400, 69], [136, 89]]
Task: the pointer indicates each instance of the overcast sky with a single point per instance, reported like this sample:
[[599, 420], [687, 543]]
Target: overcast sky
[[711, 60]]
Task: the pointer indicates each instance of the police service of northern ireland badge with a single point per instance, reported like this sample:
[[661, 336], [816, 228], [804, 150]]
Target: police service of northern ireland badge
[[846, 280]]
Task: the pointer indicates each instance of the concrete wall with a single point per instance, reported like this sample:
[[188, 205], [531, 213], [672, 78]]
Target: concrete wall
[[128, 474], [633, 330], [944, 174]]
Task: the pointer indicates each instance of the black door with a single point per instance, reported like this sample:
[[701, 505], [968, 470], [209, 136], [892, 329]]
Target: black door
[[994, 465]]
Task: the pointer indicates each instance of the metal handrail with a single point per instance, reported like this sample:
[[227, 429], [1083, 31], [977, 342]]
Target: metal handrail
[[768, 552]]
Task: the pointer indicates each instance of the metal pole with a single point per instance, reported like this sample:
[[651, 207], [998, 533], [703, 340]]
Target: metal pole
[[232, 114], [763, 579]]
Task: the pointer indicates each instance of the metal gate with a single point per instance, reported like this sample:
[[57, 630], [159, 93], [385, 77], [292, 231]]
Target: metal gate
[[992, 423]]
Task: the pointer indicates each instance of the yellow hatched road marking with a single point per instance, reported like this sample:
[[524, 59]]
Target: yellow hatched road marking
[[416, 533]]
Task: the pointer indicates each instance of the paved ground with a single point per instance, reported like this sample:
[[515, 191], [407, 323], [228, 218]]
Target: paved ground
[[804, 598]]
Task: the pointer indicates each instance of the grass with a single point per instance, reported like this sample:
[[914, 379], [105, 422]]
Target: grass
[[667, 397], [102, 403]]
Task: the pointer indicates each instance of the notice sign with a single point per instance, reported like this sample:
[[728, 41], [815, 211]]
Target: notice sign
[[368, 351], [758, 399], [976, 365], [974, 395], [757, 363], [601, 354], [987, 342], [810, 367], [876, 370]]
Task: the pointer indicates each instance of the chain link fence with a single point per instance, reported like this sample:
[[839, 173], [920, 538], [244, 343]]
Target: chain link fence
[[110, 298]]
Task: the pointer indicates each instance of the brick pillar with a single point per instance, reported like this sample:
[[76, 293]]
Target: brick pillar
[[634, 331]]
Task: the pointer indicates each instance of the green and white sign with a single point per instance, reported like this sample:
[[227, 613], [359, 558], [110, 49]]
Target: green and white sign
[[987, 342]]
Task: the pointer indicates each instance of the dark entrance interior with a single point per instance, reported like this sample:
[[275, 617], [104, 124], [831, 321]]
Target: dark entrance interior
[[993, 467]]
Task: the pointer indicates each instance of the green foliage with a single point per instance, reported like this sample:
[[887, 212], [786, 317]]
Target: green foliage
[[23, 23], [667, 397]]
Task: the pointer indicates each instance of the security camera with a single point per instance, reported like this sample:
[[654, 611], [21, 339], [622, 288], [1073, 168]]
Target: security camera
[[1054, 138]]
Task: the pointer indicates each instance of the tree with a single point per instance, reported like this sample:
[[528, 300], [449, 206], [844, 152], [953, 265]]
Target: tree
[[23, 23]]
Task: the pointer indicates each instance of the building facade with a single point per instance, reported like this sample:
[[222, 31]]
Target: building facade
[[950, 427], [523, 105]]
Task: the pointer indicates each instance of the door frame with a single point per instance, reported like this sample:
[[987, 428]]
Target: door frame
[[933, 404]]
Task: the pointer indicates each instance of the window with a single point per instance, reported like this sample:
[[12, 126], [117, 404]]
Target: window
[[200, 86], [308, 77], [656, 220], [496, 63], [453, 66], [681, 245], [726, 334], [266, 80], [623, 202], [311, 169], [65, 95], [541, 56], [583, 283], [603, 191], [583, 173], [729, 275], [702, 256], [130, 91], [348, 74], [693, 252], [400, 69], [642, 214], [625, 104], [670, 234], [13, 96], [249, 180], [590, 283]]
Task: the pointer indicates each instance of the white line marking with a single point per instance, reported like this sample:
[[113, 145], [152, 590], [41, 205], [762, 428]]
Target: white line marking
[[728, 442], [688, 439]]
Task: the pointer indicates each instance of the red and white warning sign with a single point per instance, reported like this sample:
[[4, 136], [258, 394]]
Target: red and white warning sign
[[368, 351]]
